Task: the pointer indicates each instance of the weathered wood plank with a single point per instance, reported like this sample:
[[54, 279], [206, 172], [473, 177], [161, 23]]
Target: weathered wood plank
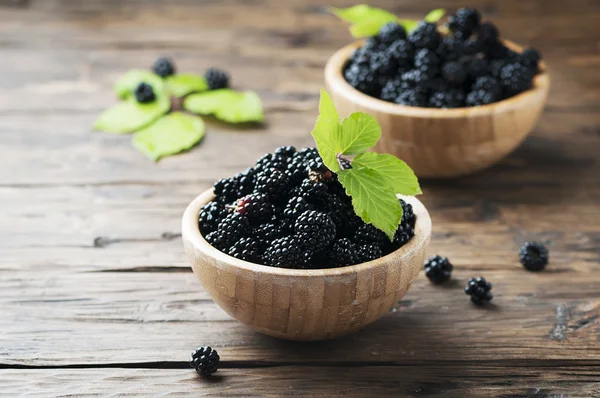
[[459, 380]]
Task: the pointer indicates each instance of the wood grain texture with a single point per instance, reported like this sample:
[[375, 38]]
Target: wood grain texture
[[93, 272], [442, 143], [305, 305]]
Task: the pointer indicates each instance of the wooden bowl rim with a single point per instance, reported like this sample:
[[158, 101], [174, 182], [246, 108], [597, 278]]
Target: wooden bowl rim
[[333, 76], [191, 233]]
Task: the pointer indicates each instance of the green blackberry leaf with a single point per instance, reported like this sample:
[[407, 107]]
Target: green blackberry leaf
[[360, 132], [373, 201], [391, 171], [182, 84], [129, 115], [435, 15], [361, 12], [327, 132], [125, 86], [227, 105], [169, 135]]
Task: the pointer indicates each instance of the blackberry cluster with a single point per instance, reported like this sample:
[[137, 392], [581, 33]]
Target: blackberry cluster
[[467, 66], [205, 360], [290, 211], [144, 93], [534, 256], [479, 289]]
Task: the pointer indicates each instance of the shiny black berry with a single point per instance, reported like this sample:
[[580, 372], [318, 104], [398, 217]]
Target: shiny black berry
[[273, 183], [412, 97], [369, 234], [534, 256], [163, 67], [210, 215], [247, 249], [530, 57], [391, 32], [285, 252], [452, 98], [481, 97], [368, 252], [480, 290], [226, 190], [438, 269], [425, 35], [516, 78], [315, 230], [454, 72], [343, 253], [256, 207], [205, 360], [216, 79], [144, 93]]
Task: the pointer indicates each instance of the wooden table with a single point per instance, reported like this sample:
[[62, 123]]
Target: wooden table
[[96, 296]]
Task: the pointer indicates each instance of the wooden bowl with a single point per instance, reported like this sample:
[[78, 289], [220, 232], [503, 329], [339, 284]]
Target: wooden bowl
[[299, 304], [440, 143]]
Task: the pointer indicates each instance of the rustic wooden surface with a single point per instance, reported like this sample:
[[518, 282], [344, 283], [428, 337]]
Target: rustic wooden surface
[[96, 297]]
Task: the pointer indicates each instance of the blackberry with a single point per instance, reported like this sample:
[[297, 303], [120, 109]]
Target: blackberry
[[313, 191], [256, 207], [391, 32], [408, 215], [144, 93], [245, 182], [271, 161], [416, 79], [479, 289], [273, 183], [481, 97], [381, 64], [268, 232], [308, 153], [216, 79], [344, 163], [315, 230], [496, 67], [318, 171], [454, 73], [412, 97], [477, 67], [438, 269], [163, 67], [500, 51], [247, 249], [295, 207], [427, 61], [425, 35], [210, 216], [205, 360], [400, 53], [453, 98], [468, 19], [285, 151], [362, 78], [487, 34], [369, 234], [516, 78], [489, 84], [343, 253], [285, 252], [471, 46], [403, 234], [534, 256], [392, 89], [368, 252], [530, 57], [450, 48], [232, 228], [225, 190], [297, 170]]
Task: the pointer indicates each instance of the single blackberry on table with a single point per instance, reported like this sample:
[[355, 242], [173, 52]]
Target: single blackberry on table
[[489, 84], [256, 207], [412, 97], [362, 78], [368, 252], [163, 67], [401, 53], [268, 232], [481, 97], [273, 183], [391, 32], [479, 289], [425, 35], [369, 234], [247, 249], [427, 61], [295, 207], [285, 151], [438, 269], [285, 252], [453, 98], [516, 78], [205, 360], [232, 228], [216, 79], [315, 230], [210, 216], [450, 49], [534, 256], [530, 57], [343, 253], [225, 190], [144, 93], [477, 67], [454, 72], [245, 182]]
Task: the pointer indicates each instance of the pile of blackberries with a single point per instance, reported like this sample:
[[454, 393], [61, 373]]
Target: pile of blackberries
[[467, 66], [290, 211]]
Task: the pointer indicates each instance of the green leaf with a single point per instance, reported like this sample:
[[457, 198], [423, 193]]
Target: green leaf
[[169, 135], [435, 15], [369, 27], [227, 105], [327, 131], [361, 12], [360, 132], [373, 201], [129, 115], [129, 81], [409, 24], [391, 171], [182, 84]]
